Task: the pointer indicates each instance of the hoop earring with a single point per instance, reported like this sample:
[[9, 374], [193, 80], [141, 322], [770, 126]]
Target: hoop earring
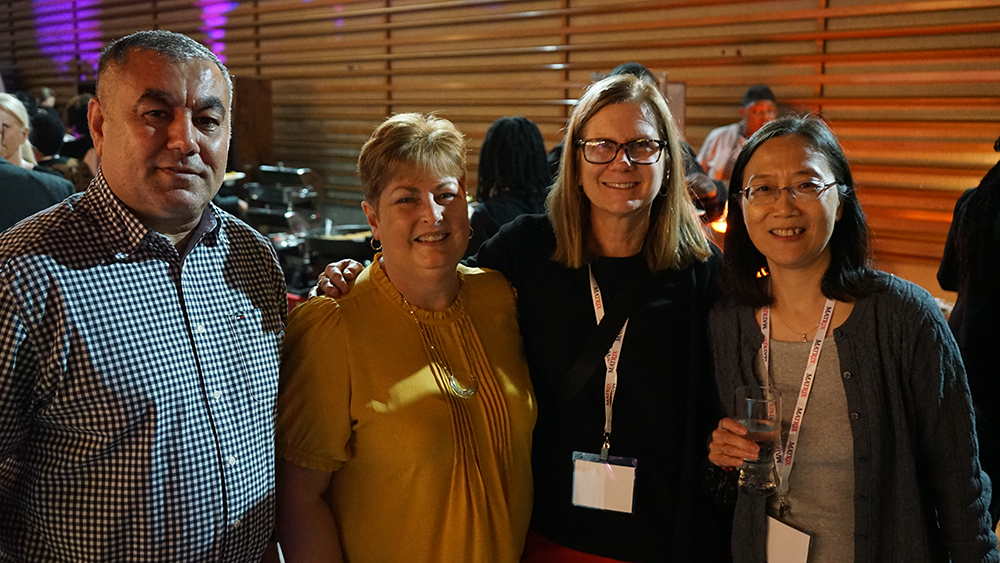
[[372, 242], [472, 232], [665, 186]]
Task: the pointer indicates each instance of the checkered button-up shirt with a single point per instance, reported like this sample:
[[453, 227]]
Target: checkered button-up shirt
[[137, 387]]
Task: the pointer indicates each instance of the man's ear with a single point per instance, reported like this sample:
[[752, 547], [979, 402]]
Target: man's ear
[[372, 217], [95, 118]]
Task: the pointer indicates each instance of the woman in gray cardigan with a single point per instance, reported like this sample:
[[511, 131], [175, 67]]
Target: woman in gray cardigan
[[883, 465]]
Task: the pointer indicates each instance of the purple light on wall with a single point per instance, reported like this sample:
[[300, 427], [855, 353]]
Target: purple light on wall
[[66, 28], [213, 16], [338, 22]]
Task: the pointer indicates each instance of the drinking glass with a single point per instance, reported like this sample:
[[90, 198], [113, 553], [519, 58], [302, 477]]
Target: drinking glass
[[759, 410]]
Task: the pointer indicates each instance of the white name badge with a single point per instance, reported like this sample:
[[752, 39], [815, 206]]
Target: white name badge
[[604, 485], [785, 544]]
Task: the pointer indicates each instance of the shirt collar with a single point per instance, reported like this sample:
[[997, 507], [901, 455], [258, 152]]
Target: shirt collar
[[207, 230], [123, 231]]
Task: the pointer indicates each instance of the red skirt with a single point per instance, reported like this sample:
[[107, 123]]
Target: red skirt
[[538, 549]]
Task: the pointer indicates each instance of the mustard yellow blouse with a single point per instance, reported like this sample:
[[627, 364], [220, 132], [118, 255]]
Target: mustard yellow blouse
[[420, 474]]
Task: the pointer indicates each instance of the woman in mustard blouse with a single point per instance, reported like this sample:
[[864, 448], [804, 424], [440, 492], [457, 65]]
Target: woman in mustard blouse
[[405, 410]]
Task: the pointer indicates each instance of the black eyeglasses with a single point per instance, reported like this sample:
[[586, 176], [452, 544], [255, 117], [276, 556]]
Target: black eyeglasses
[[803, 191], [639, 151]]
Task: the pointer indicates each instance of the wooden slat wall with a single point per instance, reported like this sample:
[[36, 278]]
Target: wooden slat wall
[[912, 88]]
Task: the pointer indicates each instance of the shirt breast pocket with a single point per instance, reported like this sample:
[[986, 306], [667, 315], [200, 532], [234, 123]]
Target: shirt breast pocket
[[256, 342]]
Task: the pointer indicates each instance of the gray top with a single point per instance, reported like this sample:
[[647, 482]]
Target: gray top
[[919, 492], [821, 485]]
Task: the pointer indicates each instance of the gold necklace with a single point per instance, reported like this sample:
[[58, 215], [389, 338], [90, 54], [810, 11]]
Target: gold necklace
[[804, 339], [439, 362]]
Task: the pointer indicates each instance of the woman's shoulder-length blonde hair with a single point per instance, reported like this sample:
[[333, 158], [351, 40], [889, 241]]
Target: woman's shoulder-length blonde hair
[[427, 142], [675, 238]]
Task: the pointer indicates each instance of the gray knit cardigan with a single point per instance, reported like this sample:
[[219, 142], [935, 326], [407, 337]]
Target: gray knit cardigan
[[920, 495]]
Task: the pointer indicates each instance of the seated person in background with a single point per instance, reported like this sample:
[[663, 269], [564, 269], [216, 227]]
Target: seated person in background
[[718, 152], [513, 177], [16, 125], [971, 266], [709, 195], [405, 411], [47, 139], [26, 192]]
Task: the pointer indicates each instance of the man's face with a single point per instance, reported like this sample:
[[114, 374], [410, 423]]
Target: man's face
[[162, 131], [758, 114]]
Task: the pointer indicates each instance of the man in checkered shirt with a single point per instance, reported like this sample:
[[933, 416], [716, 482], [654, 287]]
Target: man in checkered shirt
[[139, 335]]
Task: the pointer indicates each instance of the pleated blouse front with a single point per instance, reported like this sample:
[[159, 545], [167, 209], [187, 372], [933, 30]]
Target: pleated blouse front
[[420, 474]]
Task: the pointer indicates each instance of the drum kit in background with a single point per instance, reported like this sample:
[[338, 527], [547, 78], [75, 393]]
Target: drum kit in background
[[283, 204]]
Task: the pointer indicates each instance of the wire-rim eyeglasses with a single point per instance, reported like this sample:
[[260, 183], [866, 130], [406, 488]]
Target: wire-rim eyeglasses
[[802, 191]]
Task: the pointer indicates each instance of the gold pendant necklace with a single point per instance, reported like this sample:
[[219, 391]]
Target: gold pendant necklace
[[804, 339], [439, 362]]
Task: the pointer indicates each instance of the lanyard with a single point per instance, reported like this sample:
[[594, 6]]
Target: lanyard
[[610, 363], [784, 457]]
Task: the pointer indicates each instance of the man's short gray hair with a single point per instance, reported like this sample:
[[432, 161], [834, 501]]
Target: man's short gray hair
[[176, 47]]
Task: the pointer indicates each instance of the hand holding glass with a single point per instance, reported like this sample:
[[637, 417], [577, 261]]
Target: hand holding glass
[[759, 410]]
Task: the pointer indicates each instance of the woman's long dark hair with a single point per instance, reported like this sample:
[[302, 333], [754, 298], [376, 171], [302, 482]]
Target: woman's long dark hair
[[512, 160], [849, 275]]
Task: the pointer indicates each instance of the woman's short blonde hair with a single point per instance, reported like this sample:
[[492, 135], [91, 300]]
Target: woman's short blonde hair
[[13, 106], [427, 142], [675, 238]]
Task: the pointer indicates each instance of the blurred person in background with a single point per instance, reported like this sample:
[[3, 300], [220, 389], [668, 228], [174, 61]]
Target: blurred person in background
[[26, 192], [45, 96], [718, 152], [971, 266], [47, 140], [76, 123], [513, 177], [16, 125], [82, 147]]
